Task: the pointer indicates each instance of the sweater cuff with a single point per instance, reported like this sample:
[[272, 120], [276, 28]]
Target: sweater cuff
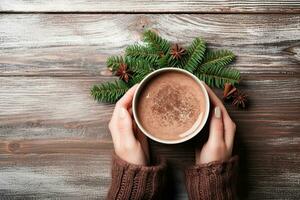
[[215, 180], [130, 181]]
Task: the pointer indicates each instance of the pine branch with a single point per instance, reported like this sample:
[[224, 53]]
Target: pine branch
[[156, 42], [140, 72], [219, 58], [139, 51], [173, 62], [216, 76], [113, 62], [163, 62], [109, 92], [195, 55], [168, 61], [139, 67], [140, 60], [142, 67], [137, 78], [138, 64]]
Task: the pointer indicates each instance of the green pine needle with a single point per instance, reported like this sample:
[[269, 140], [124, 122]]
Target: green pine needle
[[140, 69], [139, 51], [216, 76], [212, 70], [113, 62], [156, 42], [168, 61], [195, 54], [136, 78], [219, 58], [140, 73], [109, 92], [138, 64], [163, 62]]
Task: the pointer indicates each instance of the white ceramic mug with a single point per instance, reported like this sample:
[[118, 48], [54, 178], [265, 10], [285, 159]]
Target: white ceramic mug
[[199, 124]]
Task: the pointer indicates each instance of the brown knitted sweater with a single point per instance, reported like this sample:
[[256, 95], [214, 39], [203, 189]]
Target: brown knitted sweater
[[212, 181]]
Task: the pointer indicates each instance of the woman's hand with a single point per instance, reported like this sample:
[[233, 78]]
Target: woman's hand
[[130, 145], [221, 134]]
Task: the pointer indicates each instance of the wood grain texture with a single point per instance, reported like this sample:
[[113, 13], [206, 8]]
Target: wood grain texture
[[78, 45], [54, 141], [153, 6]]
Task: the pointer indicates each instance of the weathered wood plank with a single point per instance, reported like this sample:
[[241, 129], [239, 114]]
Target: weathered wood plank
[[78, 45], [54, 169], [154, 6], [65, 101]]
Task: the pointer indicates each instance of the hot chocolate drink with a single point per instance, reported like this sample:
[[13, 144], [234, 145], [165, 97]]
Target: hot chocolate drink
[[171, 105]]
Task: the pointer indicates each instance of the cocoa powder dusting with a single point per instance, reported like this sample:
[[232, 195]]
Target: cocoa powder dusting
[[170, 104]]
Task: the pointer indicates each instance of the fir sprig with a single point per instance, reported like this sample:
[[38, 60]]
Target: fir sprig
[[215, 76], [113, 62], [109, 92], [195, 54], [212, 70], [141, 69], [155, 53], [142, 52], [157, 43], [219, 58]]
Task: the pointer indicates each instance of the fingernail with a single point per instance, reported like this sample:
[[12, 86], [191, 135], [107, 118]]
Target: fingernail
[[217, 112], [122, 113]]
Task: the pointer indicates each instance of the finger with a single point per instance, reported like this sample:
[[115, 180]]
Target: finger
[[229, 135], [216, 130], [121, 127], [142, 139], [126, 100], [228, 124], [217, 102], [214, 99]]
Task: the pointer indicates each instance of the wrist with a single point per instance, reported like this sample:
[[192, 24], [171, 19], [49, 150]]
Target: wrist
[[136, 157]]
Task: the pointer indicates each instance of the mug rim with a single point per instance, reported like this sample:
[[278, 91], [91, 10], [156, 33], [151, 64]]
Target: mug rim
[[145, 81]]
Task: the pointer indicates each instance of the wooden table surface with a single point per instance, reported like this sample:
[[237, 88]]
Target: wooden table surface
[[54, 140]]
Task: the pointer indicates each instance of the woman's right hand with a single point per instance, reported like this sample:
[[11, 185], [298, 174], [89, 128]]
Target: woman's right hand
[[129, 144], [221, 134]]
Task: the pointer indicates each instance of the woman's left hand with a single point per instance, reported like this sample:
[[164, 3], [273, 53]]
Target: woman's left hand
[[221, 134]]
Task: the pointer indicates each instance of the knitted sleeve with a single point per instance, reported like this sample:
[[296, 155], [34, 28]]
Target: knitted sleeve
[[136, 182], [213, 181]]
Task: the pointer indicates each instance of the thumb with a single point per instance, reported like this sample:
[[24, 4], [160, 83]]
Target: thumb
[[125, 125], [216, 130]]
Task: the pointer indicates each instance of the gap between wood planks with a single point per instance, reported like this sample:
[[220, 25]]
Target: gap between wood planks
[[152, 12]]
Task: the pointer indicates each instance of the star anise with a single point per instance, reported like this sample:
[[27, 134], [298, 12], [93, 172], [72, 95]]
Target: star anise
[[123, 72], [229, 90], [239, 99], [177, 52]]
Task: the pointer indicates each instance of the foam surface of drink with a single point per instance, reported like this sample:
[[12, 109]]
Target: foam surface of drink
[[170, 104]]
